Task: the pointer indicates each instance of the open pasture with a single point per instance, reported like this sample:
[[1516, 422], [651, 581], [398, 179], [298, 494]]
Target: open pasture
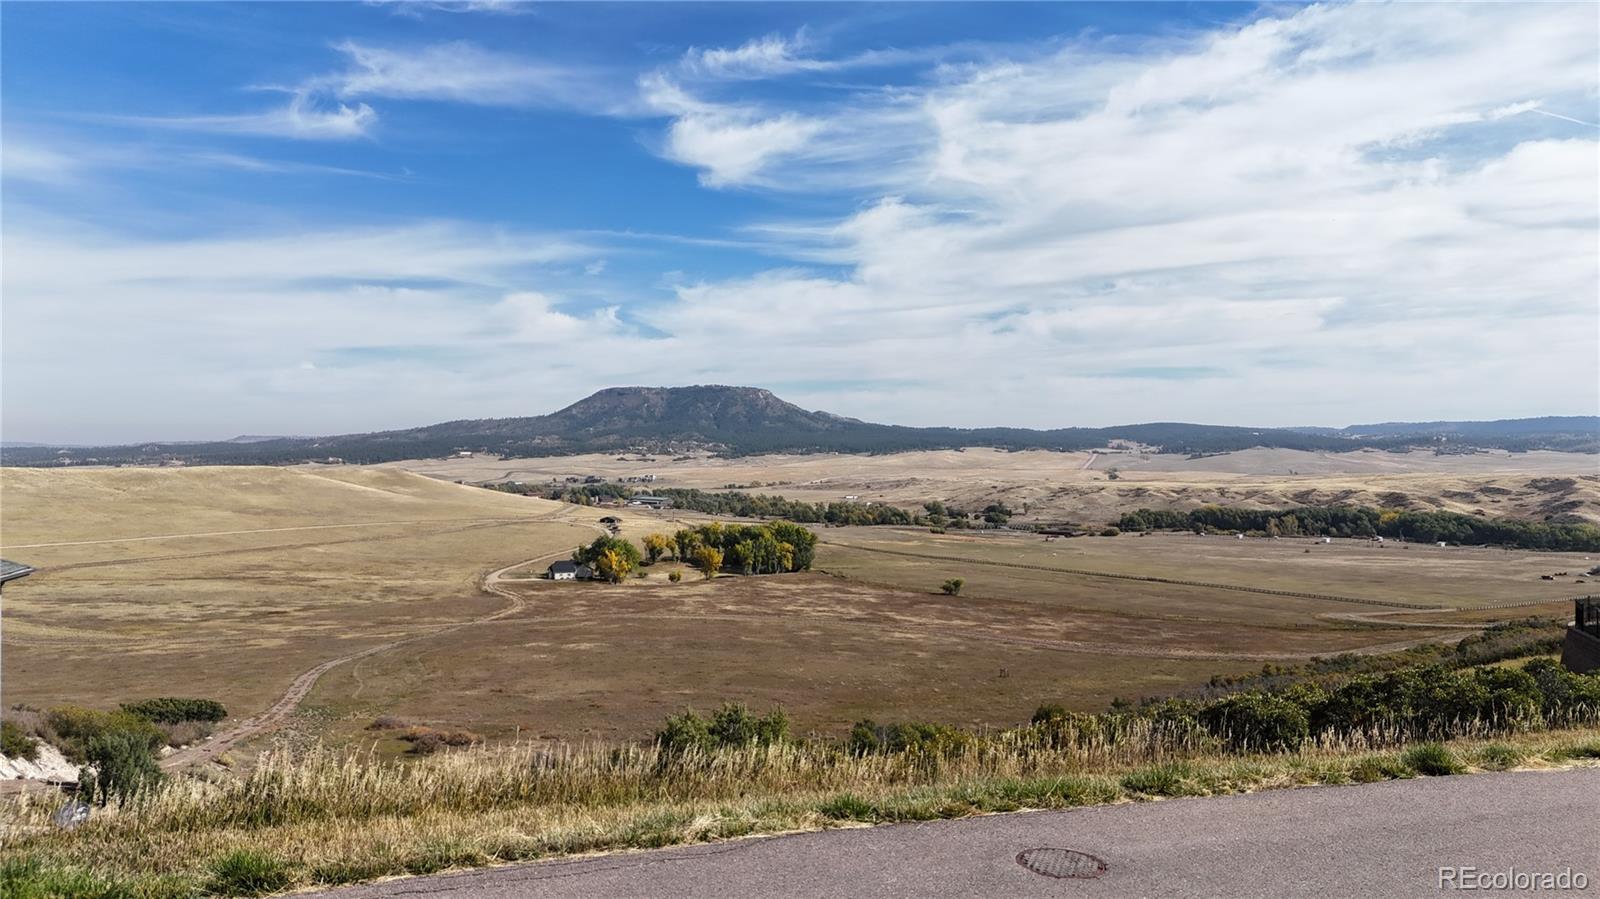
[[591, 661], [228, 582], [1051, 571]]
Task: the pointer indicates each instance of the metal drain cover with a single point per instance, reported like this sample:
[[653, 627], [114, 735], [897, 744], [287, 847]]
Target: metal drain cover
[[1061, 863]]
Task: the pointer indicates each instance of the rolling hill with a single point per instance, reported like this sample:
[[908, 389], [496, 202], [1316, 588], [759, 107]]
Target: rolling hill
[[748, 420]]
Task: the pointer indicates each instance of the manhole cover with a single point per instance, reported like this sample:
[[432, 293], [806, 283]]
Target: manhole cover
[[1061, 863]]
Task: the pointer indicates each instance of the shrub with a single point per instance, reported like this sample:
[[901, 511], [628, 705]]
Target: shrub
[[953, 586], [248, 872], [185, 733], [1255, 722], [675, 576], [1048, 712], [426, 743], [15, 744], [77, 727], [684, 732], [123, 764], [1432, 759], [734, 725], [868, 736], [172, 710], [1110, 532]]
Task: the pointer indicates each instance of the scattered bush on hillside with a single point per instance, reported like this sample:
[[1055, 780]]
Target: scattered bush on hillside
[[868, 736], [427, 740], [15, 743], [675, 576], [76, 727], [732, 725], [172, 710], [952, 587]]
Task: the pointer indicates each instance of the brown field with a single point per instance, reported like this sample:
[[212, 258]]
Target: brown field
[[227, 582], [231, 582], [1077, 486], [1420, 575]]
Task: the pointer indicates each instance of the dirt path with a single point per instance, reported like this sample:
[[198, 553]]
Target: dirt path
[[279, 712]]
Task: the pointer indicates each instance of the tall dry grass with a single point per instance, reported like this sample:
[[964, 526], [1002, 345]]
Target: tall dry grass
[[323, 817]]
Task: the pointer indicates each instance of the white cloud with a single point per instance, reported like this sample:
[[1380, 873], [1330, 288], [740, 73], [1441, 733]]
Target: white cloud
[[304, 117], [732, 144], [1336, 213], [462, 72]]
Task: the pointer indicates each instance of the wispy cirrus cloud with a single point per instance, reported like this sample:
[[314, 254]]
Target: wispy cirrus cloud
[[305, 116]]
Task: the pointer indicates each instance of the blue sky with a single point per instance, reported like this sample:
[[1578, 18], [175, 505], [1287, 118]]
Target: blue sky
[[319, 217]]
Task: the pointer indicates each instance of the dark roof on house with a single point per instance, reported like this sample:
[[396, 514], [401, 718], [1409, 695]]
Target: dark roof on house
[[563, 566], [585, 571], [10, 570]]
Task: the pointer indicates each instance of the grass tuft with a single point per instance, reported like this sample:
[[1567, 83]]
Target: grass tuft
[[248, 872], [1433, 760]]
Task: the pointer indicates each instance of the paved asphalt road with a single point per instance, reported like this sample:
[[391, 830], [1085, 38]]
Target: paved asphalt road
[[1378, 840]]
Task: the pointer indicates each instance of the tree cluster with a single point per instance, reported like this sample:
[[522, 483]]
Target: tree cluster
[[769, 548], [1362, 521]]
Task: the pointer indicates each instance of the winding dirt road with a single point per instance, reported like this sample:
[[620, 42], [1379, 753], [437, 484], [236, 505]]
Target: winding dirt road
[[279, 713]]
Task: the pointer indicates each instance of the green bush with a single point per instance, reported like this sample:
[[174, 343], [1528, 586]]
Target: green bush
[[732, 725], [1258, 722], [1432, 759], [952, 587], [1048, 712], [247, 872], [910, 736], [17, 744], [78, 726], [173, 710], [685, 732], [123, 764]]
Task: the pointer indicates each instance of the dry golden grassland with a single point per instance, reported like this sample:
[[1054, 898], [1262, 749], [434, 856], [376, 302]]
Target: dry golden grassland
[[997, 564], [1078, 486], [228, 582]]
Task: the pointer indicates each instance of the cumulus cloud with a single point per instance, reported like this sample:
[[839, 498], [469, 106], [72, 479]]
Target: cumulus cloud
[[732, 144]]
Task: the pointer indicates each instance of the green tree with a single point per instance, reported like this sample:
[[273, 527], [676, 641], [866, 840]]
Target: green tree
[[611, 557], [123, 766], [952, 587]]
